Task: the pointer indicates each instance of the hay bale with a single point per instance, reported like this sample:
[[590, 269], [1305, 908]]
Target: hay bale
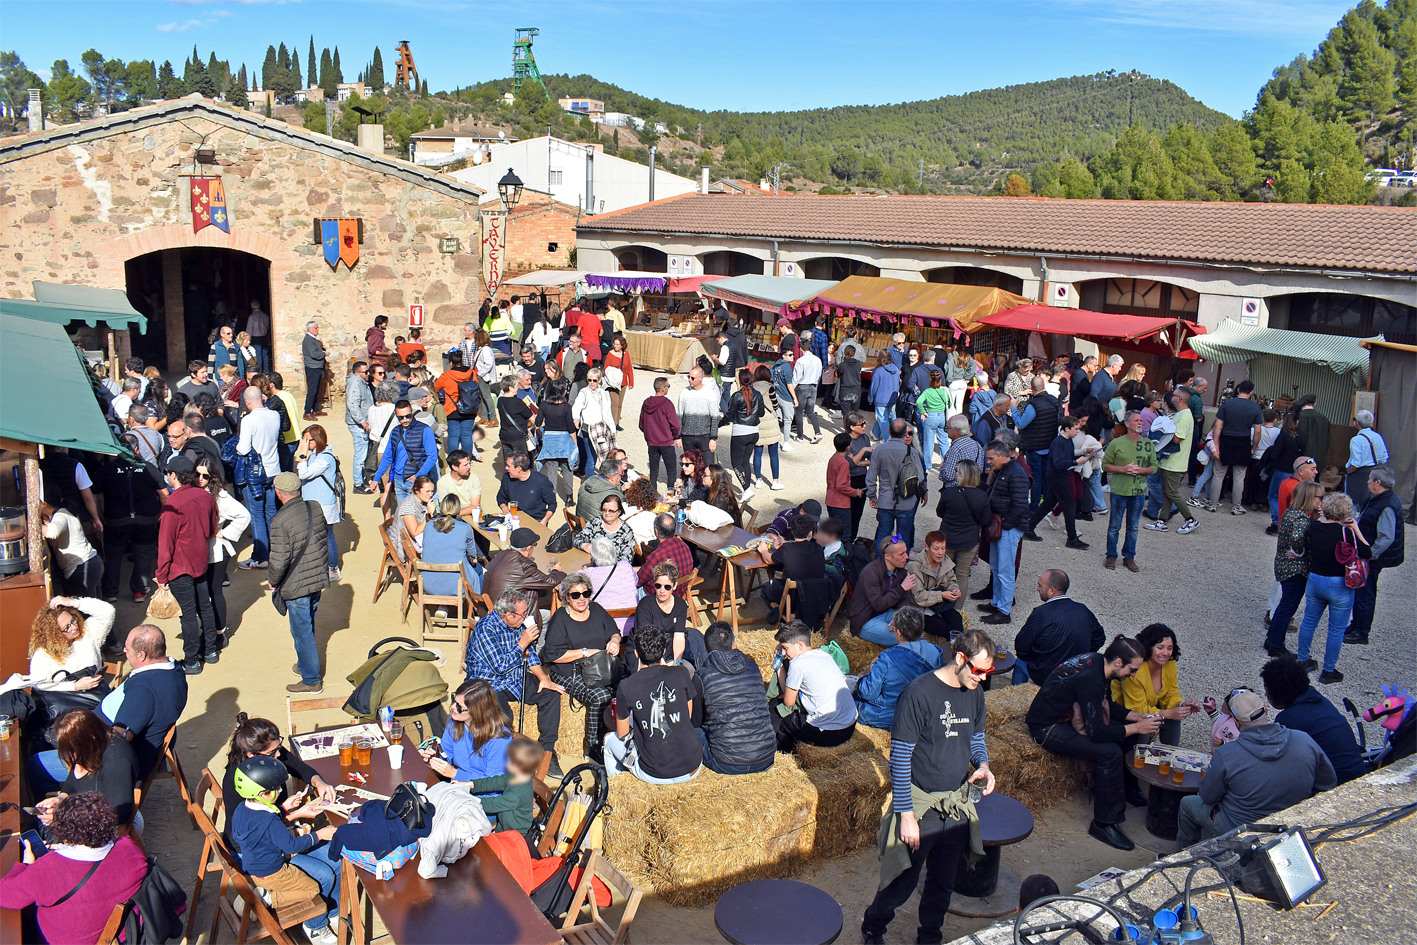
[[850, 796], [1023, 769]]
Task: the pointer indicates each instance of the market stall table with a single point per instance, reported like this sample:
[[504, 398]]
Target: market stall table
[[715, 540], [986, 889], [1163, 802], [477, 894], [568, 561], [777, 912], [663, 351]]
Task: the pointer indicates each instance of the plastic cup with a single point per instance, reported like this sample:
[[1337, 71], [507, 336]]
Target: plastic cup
[[1164, 768], [395, 756], [1139, 761], [1178, 775], [396, 733], [6, 723], [346, 751], [364, 747]]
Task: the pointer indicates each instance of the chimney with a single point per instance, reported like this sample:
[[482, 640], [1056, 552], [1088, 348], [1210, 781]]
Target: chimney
[[704, 182], [589, 181], [370, 138], [652, 152], [35, 111]]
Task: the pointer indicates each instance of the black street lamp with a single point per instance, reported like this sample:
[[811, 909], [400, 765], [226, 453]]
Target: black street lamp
[[509, 188]]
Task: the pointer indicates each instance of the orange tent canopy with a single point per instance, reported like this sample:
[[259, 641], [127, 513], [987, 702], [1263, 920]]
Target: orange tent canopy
[[901, 302]]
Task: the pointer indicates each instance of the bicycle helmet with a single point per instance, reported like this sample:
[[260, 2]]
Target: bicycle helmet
[[257, 775]]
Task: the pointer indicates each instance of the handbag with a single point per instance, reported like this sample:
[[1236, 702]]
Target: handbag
[[561, 541], [163, 605], [596, 669], [408, 805], [276, 600], [994, 531], [1355, 569], [614, 378]]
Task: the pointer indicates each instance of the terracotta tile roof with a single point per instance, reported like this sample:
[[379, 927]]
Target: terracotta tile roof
[[1376, 239]]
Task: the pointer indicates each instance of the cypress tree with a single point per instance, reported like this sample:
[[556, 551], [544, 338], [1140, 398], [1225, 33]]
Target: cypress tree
[[376, 70], [269, 67], [283, 58], [339, 75], [327, 75], [310, 64], [296, 77]]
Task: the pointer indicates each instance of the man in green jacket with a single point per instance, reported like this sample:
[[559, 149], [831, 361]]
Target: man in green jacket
[[299, 572]]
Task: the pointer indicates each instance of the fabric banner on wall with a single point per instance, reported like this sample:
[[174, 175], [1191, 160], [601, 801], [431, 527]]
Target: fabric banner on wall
[[1394, 377], [494, 237], [209, 204]]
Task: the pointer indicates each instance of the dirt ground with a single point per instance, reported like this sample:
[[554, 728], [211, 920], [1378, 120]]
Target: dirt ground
[[1211, 586]]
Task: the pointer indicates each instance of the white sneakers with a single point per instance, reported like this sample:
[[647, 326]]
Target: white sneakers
[[1189, 527], [320, 936], [777, 485], [748, 494], [785, 446], [1156, 526]]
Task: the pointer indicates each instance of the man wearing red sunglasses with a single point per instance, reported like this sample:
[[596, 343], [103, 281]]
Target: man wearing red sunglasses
[[938, 733]]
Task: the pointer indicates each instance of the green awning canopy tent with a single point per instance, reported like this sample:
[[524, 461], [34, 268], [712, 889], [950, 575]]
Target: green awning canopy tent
[[45, 393], [1330, 367], [768, 293], [63, 304]]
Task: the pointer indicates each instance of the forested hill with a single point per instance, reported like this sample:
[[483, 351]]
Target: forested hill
[[956, 136]]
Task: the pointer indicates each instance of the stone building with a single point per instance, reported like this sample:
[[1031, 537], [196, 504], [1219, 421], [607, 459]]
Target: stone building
[[105, 203]]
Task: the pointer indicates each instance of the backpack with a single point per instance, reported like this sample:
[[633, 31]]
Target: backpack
[[239, 465], [337, 487], [907, 481], [158, 906], [468, 397]]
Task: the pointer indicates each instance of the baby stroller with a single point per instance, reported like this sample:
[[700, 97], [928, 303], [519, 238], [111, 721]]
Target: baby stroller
[[561, 831], [406, 678]]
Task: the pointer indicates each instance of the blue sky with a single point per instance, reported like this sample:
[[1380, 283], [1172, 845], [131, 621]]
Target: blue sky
[[756, 56]]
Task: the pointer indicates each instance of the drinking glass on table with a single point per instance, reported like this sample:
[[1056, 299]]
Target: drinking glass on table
[[346, 751], [396, 733], [365, 747]]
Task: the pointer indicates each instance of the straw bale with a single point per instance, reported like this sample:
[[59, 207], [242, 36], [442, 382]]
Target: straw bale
[[1023, 770], [851, 794]]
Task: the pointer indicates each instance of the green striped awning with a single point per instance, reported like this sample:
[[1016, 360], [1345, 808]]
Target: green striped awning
[[1231, 342], [62, 304]]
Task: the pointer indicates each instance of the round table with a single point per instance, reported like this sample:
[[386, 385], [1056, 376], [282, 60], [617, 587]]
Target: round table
[[1002, 821], [1163, 802], [777, 912], [1003, 664]]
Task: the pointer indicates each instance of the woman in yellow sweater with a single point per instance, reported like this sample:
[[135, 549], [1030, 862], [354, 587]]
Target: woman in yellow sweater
[[1153, 689]]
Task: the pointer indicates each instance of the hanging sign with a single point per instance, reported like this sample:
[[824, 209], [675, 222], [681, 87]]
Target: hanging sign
[[1249, 311], [339, 239], [209, 204], [494, 234]]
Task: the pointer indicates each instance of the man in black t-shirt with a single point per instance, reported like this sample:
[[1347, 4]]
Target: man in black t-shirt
[[1235, 434], [655, 717], [937, 734], [800, 559]]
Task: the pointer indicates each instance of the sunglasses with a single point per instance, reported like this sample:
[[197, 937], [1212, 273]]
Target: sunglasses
[[577, 595], [978, 673], [455, 705], [662, 586], [405, 416]]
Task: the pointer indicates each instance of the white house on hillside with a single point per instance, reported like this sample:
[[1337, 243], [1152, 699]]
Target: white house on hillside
[[559, 168]]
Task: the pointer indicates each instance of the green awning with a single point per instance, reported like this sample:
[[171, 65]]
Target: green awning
[[45, 393], [1231, 342], [63, 304]]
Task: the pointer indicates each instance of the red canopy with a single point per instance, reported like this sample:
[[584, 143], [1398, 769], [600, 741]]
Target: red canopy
[[690, 283], [1161, 335]]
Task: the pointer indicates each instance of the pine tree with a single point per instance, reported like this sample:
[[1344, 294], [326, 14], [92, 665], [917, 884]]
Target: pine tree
[[236, 93], [339, 75], [168, 85], [1234, 161], [310, 64], [376, 70], [1338, 167], [1369, 82]]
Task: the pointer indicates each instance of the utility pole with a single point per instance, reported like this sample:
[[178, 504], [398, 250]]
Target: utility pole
[[330, 118], [776, 176], [920, 181]]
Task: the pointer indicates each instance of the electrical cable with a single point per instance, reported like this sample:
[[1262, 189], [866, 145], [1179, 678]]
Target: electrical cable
[[1070, 923]]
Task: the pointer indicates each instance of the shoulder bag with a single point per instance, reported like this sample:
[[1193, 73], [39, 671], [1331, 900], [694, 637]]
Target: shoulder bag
[[596, 670], [276, 600], [371, 458], [1355, 569], [70, 894]]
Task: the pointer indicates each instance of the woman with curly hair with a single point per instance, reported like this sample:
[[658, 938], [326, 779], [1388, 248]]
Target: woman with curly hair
[[689, 486], [1153, 689], [68, 636], [641, 497], [84, 851]]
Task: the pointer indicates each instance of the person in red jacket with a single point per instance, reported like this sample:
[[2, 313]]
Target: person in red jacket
[[589, 324], [186, 524], [839, 489], [659, 422]]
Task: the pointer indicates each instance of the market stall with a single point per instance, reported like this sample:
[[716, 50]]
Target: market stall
[[1393, 378], [62, 411], [1166, 337], [930, 314], [1285, 364], [761, 302], [670, 349]]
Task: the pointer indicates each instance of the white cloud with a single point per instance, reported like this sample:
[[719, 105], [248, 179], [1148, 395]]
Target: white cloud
[[181, 26], [1297, 18]]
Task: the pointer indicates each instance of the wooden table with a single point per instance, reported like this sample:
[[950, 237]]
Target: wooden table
[[477, 901], [10, 848], [777, 912], [1004, 662], [986, 889], [712, 541], [1163, 802], [661, 351], [568, 561]]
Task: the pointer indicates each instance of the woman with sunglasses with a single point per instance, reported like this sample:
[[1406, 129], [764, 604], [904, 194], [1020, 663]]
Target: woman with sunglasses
[[594, 416], [253, 737], [476, 738], [232, 521], [662, 609], [582, 630], [689, 486], [612, 526], [858, 456], [67, 636]]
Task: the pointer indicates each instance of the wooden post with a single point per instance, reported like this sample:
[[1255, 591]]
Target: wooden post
[[173, 311], [34, 495]]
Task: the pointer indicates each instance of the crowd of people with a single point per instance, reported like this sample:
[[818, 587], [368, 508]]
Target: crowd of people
[[1020, 444]]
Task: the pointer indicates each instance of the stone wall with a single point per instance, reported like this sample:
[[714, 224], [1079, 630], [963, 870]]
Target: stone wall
[[77, 212]]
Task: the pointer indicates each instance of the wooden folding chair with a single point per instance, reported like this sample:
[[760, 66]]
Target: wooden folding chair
[[207, 790], [751, 524], [784, 607], [174, 771], [273, 922], [293, 706], [388, 567], [597, 931], [689, 582], [114, 669], [462, 601], [841, 598], [575, 521]]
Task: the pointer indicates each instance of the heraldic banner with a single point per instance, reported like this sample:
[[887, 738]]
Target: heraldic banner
[[494, 251], [340, 239], [209, 204]]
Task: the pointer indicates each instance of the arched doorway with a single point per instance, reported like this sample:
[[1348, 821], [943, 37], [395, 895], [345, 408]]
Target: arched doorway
[[642, 259], [726, 262], [972, 275], [187, 293], [1138, 297], [836, 268]]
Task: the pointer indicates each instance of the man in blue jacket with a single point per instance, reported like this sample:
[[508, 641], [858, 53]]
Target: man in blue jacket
[[1303, 708], [897, 667], [885, 391], [411, 451]]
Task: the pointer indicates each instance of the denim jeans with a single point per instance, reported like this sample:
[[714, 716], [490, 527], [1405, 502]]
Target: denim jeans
[[301, 614], [361, 451], [334, 545], [1333, 593], [1130, 506], [1038, 465], [891, 522], [1094, 491], [713, 764], [460, 435], [932, 431], [1154, 494], [806, 406], [1291, 594], [262, 511], [1001, 566], [402, 487], [758, 461], [327, 874], [1020, 672], [844, 517], [878, 629], [884, 416], [616, 751], [1274, 481], [1203, 481]]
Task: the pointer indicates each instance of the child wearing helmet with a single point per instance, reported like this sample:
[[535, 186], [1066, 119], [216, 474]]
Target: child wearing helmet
[[277, 860]]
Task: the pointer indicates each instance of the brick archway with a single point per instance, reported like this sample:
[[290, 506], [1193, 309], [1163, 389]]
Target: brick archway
[[114, 254]]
